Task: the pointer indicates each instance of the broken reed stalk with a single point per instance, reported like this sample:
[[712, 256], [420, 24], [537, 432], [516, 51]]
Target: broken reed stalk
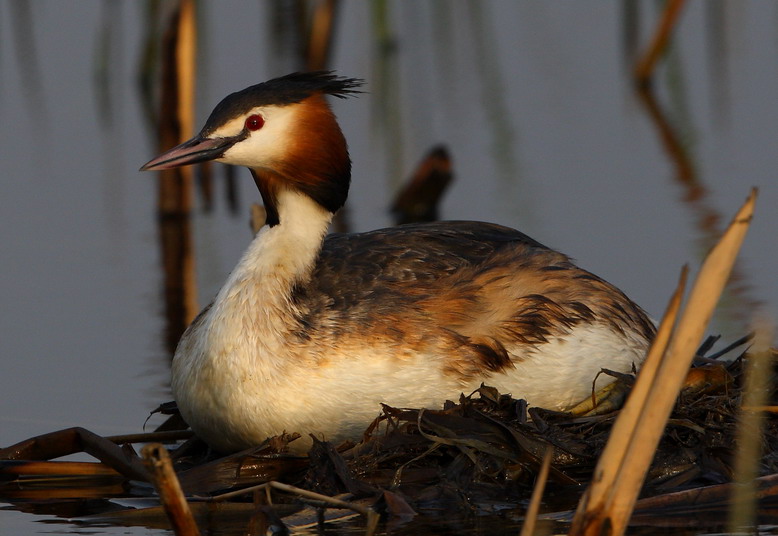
[[531, 516], [645, 66], [73, 440], [186, 47], [672, 143], [175, 196], [320, 35], [769, 409], [750, 427], [258, 218], [151, 437], [617, 448], [370, 514], [157, 461], [176, 116], [57, 469], [621, 469]]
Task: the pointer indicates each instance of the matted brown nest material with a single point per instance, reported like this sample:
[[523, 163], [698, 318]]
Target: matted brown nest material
[[485, 450]]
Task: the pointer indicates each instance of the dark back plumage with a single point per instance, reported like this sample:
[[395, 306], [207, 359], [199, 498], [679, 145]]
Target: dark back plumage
[[452, 275]]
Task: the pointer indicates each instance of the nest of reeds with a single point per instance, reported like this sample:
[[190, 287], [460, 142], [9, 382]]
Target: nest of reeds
[[480, 454], [483, 452]]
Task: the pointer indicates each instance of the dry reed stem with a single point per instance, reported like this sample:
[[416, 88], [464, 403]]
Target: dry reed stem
[[749, 433], [175, 196], [369, 513], [258, 217], [151, 437], [769, 409], [186, 48], [157, 461], [645, 66], [73, 440], [672, 143], [616, 450], [57, 469], [177, 106], [186, 51], [531, 516], [622, 466], [320, 35]]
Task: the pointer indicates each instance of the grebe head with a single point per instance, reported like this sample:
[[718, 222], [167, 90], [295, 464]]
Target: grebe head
[[284, 131]]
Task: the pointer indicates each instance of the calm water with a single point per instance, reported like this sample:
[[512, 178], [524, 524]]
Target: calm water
[[533, 101]]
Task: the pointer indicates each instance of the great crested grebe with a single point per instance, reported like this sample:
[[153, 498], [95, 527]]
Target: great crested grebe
[[311, 332]]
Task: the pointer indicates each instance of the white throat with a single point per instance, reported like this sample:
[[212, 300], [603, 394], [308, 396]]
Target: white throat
[[279, 257], [245, 331], [287, 251]]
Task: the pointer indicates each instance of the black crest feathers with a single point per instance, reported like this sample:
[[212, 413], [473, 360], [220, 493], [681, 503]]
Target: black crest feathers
[[281, 91]]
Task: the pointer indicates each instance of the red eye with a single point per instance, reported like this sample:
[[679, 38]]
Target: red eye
[[254, 122]]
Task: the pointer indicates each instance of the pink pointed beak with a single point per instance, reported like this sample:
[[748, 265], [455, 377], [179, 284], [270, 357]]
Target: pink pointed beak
[[198, 149]]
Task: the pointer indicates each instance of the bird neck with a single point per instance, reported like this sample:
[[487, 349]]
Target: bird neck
[[260, 287], [286, 252]]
